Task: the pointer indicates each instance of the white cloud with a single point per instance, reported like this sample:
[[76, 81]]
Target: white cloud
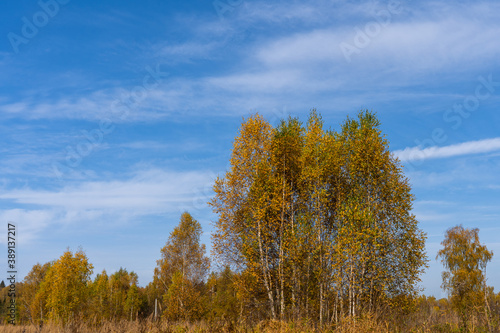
[[187, 51], [465, 148], [111, 204], [148, 192], [156, 145], [264, 82], [14, 107], [257, 11], [309, 47], [438, 44], [29, 223], [298, 12]]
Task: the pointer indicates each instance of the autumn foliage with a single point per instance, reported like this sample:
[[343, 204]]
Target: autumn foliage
[[465, 259], [318, 223], [314, 231]]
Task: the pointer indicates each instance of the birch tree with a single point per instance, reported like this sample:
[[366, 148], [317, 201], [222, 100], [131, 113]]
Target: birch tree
[[66, 287], [465, 260], [246, 235], [183, 267]]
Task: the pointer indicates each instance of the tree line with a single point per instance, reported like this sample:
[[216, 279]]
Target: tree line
[[313, 226]]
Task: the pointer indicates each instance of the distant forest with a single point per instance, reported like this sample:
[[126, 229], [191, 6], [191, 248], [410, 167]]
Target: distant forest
[[314, 232]]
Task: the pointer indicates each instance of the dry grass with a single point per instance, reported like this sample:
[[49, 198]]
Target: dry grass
[[367, 324], [121, 327], [269, 326]]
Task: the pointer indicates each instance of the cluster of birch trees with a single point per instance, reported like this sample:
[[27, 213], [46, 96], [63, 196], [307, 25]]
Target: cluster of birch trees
[[317, 223]]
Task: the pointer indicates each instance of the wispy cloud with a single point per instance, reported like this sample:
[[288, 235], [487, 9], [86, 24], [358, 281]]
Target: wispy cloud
[[313, 12], [465, 148], [258, 11], [189, 51], [111, 203], [147, 192], [155, 145], [425, 44], [267, 81], [29, 222]]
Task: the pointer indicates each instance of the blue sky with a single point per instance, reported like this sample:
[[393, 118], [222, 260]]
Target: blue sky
[[116, 117]]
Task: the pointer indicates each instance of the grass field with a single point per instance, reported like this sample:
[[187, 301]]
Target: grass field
[[161, 327]]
